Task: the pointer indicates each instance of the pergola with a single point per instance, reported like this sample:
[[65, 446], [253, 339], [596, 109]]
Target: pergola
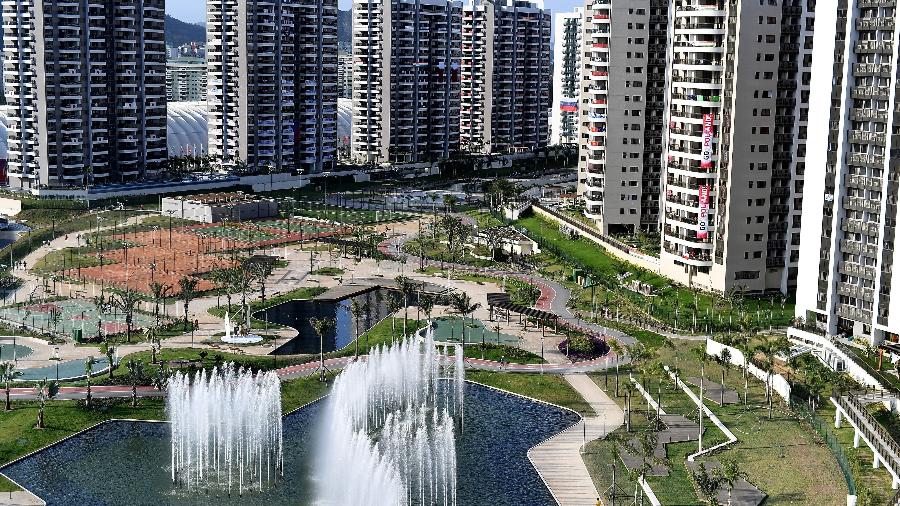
[[502, 301]]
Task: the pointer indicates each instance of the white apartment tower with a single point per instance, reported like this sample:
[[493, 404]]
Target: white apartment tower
[[505, 76], [622, 85], [849, 235], [734, 143], [85, 89], [566, 76], [186, 80], [405, 80], [272, 91]]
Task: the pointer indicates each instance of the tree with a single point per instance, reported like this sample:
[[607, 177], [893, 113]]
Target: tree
[[617, 349], [88, 371], [322, 326], [707, 484], [724, 360], [393, 306], [629, 392], [161, 380], [8, 374], [729, 473], [127, 301], [426, 303], [159, 291], [155, 345], [770, 348], [462, 305], [187, 291], [406, 286], [110, 351], [135, 376], [260, 271], [358, 310], [45, 390]]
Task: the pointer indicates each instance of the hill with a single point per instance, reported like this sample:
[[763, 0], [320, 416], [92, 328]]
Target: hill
[[345, 28], [178, 32]]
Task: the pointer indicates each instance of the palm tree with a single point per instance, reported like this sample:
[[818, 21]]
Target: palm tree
[[45, 390], [729, 473], [110, 351], [357, 310], [135, 376], [8, 374], [159, 292], [462, 305], [322, 326], [88, 371], [426, 303], [407, 287], [743, 345], [724, 360], [393, 307], [770, 348], [127, 301], [187, 287], [153, 339]]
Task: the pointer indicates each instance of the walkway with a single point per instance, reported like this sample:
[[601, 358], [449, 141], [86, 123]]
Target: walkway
[[558, 460]]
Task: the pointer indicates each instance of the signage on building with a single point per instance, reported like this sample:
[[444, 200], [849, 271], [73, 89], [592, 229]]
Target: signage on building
[[568, 105], [703, 217], [707, 152]]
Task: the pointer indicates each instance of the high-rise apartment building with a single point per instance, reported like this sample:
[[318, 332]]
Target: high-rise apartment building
[[622, 87], [734, 97], [405, 80], [849, 232], [186, 80], [273, 83], [505, 76], [345, 75], [566, 77], [85, 88]]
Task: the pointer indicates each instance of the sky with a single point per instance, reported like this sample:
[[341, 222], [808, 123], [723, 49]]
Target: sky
[[194, 11]]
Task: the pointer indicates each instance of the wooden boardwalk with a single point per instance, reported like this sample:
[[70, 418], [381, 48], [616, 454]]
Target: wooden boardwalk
[[558, 460]]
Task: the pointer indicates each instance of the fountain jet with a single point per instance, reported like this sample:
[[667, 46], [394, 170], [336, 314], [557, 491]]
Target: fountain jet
[[226, 430], [388, 436]]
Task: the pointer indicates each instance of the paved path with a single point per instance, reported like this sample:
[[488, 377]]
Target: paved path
[[558, 460]]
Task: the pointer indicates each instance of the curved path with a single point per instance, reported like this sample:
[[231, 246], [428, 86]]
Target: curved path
[[554, 296]]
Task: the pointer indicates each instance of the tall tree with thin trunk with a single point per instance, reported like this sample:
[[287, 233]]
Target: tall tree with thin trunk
[[135, 376], [88, 372], [187, 287], [8, 374], [45, 391]]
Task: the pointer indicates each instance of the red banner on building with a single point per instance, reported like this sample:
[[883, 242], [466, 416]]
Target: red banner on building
[[703, 217], [706, 154]]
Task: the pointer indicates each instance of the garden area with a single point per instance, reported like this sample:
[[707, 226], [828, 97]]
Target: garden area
[[774, 448], [668, 305]]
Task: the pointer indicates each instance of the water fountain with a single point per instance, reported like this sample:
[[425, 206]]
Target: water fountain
[[232, 339], [226, 430], [388, 433]]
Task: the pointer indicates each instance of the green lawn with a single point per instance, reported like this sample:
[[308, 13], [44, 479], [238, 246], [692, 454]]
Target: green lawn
[[545, 387], [561, 251], [509, 354], [18, 436], [777, 453]]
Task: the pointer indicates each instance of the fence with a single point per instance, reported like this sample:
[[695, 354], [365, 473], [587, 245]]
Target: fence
[[824, 430], [873, 431]]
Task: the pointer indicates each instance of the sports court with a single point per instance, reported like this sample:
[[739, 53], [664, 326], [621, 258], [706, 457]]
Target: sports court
[[165, 257], [74, 314]]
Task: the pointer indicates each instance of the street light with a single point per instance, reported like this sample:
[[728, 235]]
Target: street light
[[56, 358]]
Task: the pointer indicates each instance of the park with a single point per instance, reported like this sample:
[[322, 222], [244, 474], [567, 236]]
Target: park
[[571, 372]]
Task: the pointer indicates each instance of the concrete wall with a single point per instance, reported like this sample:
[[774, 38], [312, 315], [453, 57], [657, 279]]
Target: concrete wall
[[779, 384]]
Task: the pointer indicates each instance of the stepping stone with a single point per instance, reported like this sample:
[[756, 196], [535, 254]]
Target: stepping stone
[[743, 494], [713, 391]]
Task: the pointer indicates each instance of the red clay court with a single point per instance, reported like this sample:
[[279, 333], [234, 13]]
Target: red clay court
[[157, 256]]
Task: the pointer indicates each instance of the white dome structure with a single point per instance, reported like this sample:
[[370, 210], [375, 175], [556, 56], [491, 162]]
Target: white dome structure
[[187, 128]]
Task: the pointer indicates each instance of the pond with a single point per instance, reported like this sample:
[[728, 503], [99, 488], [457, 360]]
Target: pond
[[296, 314], [125, 462]]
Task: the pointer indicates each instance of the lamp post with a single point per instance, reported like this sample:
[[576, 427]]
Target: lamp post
[[56, 358]]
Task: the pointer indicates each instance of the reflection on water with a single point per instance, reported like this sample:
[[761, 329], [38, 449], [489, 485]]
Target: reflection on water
[[129, 462], [296, 314]]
